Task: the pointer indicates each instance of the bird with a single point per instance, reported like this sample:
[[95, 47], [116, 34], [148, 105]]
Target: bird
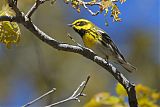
[[100, 42]]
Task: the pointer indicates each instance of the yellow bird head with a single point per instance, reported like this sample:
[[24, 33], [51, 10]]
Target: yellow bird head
[[81, 25]]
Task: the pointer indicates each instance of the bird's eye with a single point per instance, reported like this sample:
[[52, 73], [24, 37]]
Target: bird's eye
[[81, 23], [78, 23]]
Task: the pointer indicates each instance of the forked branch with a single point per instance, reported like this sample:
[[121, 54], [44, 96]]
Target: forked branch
[[75, 96], [34, 7]]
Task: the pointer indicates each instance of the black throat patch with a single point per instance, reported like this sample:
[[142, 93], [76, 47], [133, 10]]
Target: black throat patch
[[80, 32]]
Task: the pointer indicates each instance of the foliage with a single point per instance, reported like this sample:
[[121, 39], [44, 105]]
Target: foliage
[[104, 5], [9, 31], [146, 98]]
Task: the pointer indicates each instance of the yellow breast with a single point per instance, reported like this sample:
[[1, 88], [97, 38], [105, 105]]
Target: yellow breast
[[89, 40]]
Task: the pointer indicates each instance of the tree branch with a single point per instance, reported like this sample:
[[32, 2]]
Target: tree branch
[[76, 94], [34, 7], [90, 11], [88, 53], [13, 5], [8, 18], [39, 98]]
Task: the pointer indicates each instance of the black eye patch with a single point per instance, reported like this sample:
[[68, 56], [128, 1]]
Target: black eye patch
[[81, 23]]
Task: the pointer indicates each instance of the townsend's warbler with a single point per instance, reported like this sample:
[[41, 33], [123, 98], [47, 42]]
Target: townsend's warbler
[[99, 41]]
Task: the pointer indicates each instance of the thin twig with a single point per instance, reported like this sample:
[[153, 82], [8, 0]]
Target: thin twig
[[34, 7], [93, 3], [73, 40], [90, 11], [76, 94], [87, 3], [13, 5], [85, 84], [39, 98]]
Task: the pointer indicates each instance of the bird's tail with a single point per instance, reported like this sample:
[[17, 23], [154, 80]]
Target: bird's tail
[[130, 68]]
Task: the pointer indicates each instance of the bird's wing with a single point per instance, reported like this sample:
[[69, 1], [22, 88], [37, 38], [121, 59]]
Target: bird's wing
[[107, 40]]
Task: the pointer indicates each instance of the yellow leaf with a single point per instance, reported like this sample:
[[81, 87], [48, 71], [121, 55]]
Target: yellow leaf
[[9, 31], [120, 90], [115, 12], [145, 102], [142, 89], [105, 4], [6, 10], [75, 5], [155, 96], [97, 100], [146, 98], [112, 100], [104, 99]]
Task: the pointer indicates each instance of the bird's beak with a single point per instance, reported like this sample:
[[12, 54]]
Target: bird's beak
[[70, 25]]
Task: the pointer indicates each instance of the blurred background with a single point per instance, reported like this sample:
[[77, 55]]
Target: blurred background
[[33, 68]]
